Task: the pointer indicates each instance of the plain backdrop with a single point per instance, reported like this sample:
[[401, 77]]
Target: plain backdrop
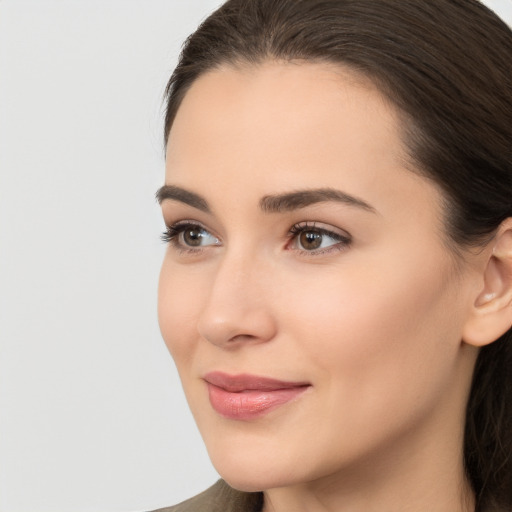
[[92, 416]]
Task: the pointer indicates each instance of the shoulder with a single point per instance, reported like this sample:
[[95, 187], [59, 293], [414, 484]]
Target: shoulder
[[220, 497]]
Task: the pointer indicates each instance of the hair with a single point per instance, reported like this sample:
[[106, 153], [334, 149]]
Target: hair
[[446, 65]]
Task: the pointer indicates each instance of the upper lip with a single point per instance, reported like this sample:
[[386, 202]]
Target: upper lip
[[246, 382]]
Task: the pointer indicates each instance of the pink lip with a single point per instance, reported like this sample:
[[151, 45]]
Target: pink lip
[[246, 397]]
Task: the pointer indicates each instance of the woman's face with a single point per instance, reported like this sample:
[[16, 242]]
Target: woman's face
[[307, 295]]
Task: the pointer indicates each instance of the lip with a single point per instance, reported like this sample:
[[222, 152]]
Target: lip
[[246, 397]]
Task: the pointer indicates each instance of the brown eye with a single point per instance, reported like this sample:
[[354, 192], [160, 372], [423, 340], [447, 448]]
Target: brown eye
[[188, 235], [313, 239], [194, 236], [310, 240]]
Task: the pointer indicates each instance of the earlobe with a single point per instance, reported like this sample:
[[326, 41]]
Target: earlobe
[[491, 314]]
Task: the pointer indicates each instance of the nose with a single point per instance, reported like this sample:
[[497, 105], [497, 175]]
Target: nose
[[238, 308]]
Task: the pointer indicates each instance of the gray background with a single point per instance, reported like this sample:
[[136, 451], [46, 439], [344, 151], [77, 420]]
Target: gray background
[[92, 416]]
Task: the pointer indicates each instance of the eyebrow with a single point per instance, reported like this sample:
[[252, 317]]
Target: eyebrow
[[183, 196], [302, 198], [271, 203]]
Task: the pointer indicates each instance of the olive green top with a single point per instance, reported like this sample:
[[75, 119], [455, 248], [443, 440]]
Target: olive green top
[[220, 498]]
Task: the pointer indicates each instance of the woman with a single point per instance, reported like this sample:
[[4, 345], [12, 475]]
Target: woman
[[337, 288]]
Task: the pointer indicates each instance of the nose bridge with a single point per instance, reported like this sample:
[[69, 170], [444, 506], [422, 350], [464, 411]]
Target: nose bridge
[[238, 306], [237, 267]]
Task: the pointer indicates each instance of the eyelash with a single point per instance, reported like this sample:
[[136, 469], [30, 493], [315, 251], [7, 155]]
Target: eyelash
[[343, 241], [172, 233]]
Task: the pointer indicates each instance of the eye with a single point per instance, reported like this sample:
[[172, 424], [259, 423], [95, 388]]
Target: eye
[[309, 237], [189, 236]]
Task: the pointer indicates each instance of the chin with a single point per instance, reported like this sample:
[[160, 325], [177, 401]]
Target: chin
[[255, 480], [256, 470], [242, 471], [245, 485]]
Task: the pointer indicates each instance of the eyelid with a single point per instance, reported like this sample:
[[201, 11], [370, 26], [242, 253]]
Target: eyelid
[[342, 237], [175, 229]]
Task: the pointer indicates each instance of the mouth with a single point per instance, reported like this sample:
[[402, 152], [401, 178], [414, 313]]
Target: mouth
[[247, 397]]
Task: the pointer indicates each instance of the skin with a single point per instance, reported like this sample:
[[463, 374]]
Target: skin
[[374, 325]]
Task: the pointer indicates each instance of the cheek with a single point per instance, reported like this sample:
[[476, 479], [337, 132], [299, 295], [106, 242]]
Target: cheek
[[378, 334], [178, 304]]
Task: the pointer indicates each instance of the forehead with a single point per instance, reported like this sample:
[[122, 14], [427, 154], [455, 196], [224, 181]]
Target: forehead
[[280, 109], [234, 103]]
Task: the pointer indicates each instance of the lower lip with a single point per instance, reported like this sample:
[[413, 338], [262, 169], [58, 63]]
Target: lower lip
[[250, 404]]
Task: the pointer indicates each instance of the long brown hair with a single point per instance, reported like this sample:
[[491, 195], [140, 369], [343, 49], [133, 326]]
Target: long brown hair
[[447, 66]]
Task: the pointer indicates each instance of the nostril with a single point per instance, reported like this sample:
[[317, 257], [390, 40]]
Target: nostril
[[243, 338]]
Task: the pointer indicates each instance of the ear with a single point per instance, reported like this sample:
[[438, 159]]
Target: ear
[[491, 313]]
